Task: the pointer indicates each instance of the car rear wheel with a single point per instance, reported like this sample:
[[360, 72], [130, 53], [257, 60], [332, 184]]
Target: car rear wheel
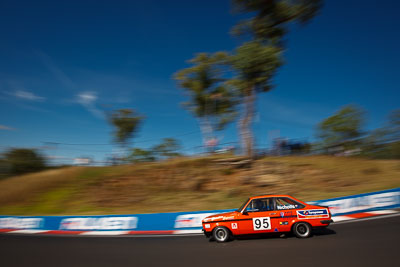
[[302, 230], [221, 234]]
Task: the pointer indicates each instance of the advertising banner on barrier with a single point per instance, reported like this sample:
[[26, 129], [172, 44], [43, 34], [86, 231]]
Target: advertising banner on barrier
[[134, 222], [387, 199], [182, 221]]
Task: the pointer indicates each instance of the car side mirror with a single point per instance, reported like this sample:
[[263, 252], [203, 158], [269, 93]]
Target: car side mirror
[[245, 212]]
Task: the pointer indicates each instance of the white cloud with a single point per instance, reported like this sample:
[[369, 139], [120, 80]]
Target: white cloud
[[88, 100], [28, 95], [3, 127]]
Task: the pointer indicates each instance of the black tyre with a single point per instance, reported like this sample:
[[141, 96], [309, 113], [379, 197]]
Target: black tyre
[[302, 230], [221, 234]]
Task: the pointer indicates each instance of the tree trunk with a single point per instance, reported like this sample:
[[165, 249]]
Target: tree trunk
[[206, 130], [246, 121]]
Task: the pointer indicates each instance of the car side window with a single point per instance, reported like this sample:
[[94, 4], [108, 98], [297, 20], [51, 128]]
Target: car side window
[[284, 203], [259, 205]]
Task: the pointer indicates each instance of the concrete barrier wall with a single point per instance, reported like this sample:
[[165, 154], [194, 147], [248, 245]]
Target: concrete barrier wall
[[181, 222]]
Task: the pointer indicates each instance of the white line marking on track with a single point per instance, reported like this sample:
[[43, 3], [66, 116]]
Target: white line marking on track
[[182, 232], [369, 218], [105, 233], [180, 235], [341, 218], [383, 212], [27, 231]]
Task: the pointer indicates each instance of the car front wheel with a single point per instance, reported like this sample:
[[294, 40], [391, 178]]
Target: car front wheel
[[302, 230], [221, 234]]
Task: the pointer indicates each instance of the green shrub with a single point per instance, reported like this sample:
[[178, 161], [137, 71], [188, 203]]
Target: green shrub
[[22, 160]]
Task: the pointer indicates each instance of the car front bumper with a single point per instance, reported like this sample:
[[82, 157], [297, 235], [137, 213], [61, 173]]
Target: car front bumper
[[207, 234]]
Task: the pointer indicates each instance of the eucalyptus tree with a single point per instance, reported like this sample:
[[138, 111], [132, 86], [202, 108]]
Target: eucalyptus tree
[[168, 148], [256, 61], [254, 65], [126, 123], [271, 19], [344, 128], [210, 99]]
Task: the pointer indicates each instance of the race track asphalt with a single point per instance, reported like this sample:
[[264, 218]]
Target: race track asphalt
[[358, 243]]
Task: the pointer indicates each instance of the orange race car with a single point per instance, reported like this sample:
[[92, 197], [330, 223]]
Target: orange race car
[[267, 214]]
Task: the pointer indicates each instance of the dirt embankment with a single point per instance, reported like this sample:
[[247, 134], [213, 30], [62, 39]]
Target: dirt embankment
[[186, 184]]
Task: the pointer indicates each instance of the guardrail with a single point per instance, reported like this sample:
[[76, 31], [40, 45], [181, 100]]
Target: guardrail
[[176, 222]]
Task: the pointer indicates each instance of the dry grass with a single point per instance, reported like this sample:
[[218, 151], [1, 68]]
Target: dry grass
[[24, 186], [188, 184]]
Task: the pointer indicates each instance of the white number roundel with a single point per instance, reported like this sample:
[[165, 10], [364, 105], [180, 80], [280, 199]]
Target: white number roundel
[[261, 223]]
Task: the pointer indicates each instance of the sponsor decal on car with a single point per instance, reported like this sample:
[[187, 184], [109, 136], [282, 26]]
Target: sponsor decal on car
[[286, 207], [313, 214], [234, 226], [285, 214], [101, 223]]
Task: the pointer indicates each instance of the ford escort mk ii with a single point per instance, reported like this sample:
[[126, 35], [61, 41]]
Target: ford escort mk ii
[[267, 214]]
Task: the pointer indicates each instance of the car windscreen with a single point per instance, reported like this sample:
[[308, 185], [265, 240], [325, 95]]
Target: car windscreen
[[244, 204]]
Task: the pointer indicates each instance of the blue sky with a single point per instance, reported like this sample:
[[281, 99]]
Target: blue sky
[[62, 63]]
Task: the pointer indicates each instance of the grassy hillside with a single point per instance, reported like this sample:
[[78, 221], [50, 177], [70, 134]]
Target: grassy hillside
[[189, 184]]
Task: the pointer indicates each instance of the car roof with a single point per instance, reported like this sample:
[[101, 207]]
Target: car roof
[[271, 195], [275, 195]]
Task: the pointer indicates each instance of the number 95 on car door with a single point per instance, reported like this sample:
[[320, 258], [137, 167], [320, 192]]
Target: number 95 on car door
[[261, 223]]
